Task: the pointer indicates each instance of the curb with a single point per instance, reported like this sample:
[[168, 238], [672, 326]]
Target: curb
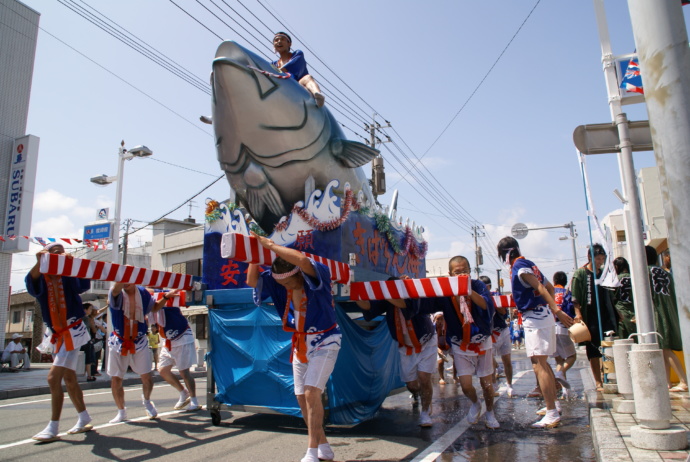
[[98, 384]]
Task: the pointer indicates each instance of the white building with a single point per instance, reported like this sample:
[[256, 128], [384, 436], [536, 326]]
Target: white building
[[654, 223]]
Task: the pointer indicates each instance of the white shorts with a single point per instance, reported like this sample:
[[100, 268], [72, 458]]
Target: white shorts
[[140, 362], [540, 341], [316, 372], [66, 359], [502, 346], [565, 348], [182, 356], [424, 361], [479, 365]]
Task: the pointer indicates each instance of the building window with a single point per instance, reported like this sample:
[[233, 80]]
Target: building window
[[192, 267], [16, 317]]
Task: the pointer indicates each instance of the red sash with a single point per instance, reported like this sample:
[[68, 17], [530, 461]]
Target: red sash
[[128, 345], [465, 345], [57, 306], [131, 330], [399, 321], [299, 337]]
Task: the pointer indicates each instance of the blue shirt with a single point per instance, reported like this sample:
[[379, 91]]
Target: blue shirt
[[320, 316], [297, 66], [175, 326], [527, 299], [117, 317], [72, 288], [481, 328], [416, 310]]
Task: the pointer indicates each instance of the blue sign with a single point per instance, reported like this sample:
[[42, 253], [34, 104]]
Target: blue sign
[[99, 231]]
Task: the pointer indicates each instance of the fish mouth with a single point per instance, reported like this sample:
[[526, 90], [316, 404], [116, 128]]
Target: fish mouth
[[264, 84]]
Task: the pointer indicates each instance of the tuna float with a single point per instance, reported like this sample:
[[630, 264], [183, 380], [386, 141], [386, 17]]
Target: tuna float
[[294, 177]]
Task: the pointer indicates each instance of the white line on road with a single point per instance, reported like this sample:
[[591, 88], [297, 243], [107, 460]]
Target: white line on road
[[130, 388], [138, 419], [434, 451]]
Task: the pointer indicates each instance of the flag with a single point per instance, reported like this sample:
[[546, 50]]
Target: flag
[[632, 80]]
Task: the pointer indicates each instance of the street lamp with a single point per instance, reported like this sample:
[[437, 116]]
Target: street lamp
[[572, 237], [123, 155]]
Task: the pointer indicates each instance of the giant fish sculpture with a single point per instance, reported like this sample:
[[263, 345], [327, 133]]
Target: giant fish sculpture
[[271, 137]]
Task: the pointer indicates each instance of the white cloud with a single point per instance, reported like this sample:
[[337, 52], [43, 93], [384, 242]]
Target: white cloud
[[52, 200], [57, 226]]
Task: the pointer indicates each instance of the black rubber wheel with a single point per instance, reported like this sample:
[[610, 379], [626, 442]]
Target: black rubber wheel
[[215, 418]]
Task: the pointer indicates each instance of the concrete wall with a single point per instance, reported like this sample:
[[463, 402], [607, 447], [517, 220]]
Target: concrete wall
[[18, 34]]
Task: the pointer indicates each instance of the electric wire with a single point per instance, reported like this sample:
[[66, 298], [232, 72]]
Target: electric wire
[[135, 45], [127, 83]]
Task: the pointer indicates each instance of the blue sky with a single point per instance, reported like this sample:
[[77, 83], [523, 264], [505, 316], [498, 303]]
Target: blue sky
[[508, 156]]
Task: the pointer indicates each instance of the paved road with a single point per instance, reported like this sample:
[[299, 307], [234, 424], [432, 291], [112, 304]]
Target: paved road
[[393, 435]]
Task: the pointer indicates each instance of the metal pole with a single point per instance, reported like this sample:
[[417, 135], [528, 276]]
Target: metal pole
[[498, 281], [662, 46], [572, 238], [633, 225], [118, 204]]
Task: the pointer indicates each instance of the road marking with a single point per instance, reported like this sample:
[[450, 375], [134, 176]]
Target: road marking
[[129, 388], [435, 450], [138, 419]]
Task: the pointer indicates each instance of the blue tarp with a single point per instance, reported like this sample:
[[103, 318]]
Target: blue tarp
[[250, 359]]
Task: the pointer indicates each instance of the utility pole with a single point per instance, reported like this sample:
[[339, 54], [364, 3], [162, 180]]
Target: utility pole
[[378, 177], [662, 46], [498, 281], [478, 257], [125, 240]]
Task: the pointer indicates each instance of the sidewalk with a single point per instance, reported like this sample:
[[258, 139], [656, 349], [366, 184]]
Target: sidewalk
[[611, 430], [35, 381]]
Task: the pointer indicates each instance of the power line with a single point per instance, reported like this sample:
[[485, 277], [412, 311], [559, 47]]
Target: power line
[[127, 83], [481, 81], [179, 206], [136, 44]]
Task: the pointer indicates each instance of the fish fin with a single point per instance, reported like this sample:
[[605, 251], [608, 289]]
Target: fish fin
[[352, 154], [261, 193], [265, 196]]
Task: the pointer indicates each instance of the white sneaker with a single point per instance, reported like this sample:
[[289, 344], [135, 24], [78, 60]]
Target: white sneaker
[[509, 390], [310, 458], [491, 421], [425, 419], [183, 401], [120, 417], [560, 378], [194, 407], [473, 413], [550, 420], [151, 411], [325, 452], [543, 410]]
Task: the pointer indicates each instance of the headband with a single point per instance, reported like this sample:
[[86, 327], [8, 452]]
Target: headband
[[283, 34], [280, 276], [53, 244]]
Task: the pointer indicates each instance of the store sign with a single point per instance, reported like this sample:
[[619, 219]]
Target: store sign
[[20, 193]]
